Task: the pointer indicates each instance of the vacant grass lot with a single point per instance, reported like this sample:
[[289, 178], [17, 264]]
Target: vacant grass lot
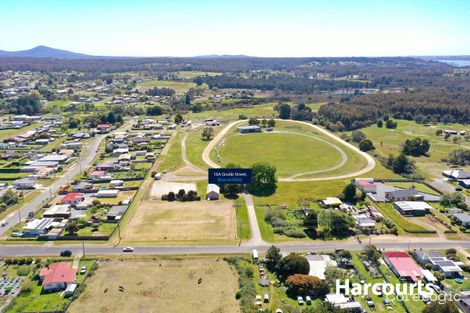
[[290, 153], [161, 286], [178, 86], [189, 221], [403, 222], [389, 141]]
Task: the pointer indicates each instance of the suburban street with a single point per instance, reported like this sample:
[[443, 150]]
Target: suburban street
[[83, 162]]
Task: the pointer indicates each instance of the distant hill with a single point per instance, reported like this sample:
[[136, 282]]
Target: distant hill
[[46, 52], [223, 56]]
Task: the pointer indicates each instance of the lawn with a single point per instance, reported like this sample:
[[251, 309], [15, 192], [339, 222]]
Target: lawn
[[7, 133], [291, 154], [417, 186], [172, 160], [163, 283], [192, 74], [230, 114]]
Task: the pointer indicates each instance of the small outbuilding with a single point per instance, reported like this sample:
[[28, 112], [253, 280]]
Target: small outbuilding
[[213, 192]]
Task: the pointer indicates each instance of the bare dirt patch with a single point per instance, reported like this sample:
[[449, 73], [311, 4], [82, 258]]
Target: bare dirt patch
[[199, 220], [161, 187], [161, 286]]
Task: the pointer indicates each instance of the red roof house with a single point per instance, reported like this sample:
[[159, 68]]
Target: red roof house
[[73, 198], [366, 185], [403, 266], [102, 128], [57, 276]]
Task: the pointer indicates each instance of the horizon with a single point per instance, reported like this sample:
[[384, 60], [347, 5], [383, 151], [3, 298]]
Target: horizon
[[265, 29]]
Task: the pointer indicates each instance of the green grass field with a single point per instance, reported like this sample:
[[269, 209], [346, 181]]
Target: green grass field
[[291, 154], [178, 86], [389, 141]]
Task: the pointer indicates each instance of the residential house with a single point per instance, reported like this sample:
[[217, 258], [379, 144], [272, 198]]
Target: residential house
[[319, 263], [403, 266], [38, 227], [24, 183], [57, 276], [344, 303], [116, 212], [57, 211], [103, 128], [73, 198], [404, 195], [107, 193], [366, 185], [456, 174], [332, 202], [83, 186], [439, 262], [364, 222]]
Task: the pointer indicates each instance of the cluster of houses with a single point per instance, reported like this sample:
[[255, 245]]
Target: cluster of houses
[[151, 124]]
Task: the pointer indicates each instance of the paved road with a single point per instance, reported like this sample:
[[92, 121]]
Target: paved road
[[370, 160], [95, 250], [34, 205]]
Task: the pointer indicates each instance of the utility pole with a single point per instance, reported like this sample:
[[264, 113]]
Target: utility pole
[[409, 243], [119, 231], [19, 215], [83, 248]]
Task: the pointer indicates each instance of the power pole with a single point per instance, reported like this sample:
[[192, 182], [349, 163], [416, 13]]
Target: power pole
[[83, 248], [19, 215]]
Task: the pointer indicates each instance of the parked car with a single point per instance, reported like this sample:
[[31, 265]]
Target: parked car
[[300, 300], [308, 300], [4, 223], [128, 249], [83, 270], [370, 304], [66, 253], [368, 298], [17, 234], [158, 176], [436, 288]]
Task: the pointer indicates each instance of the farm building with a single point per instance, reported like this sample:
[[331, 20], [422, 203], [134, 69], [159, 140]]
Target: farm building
[[249, 129], [462, 219], [412, 208], [57, 276], [403, 266], [456, 174], [213, 192], [108, 193]]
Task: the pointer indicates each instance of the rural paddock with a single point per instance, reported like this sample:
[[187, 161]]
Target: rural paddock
[[199, 220], [166, 285]]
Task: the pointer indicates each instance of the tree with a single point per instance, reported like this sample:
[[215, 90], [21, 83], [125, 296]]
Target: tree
[[436, 307], [455, 199], [207, 133], [372, 253], [9, 197], [178, 118], [284, 111], [71, 228], [273, 257], [402, 165], [171, 196], [390, 124], [154, 111], [366, 145], [253, 121], [264, 122], [349, 192], [264, 182], [334, 223], [459, 157], [313, 286], [416, 147], [111, 119], [271, 123], [380, 124], [358, 136], [293, 264], [187, 99]]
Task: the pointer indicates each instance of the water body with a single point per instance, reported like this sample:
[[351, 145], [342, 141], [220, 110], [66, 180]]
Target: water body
[[457, 63]]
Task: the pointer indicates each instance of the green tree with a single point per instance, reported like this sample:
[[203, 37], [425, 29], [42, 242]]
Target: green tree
[[253, 121], [178, 118], [313, 286], [271, 123], [9, 197], [436, 307], [273, 257], [366, 145], [264, 182], [372, 253], [402, 165], [349, 192], [207, 133], [71, 228], [284, 111], [293, 264], [358, 136], [111, 119]]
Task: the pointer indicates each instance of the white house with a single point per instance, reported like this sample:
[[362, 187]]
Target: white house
[[213, 192]]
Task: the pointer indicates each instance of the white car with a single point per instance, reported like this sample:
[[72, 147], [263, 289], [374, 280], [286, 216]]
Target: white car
[[128, 249], [4, 223], [83, 270]]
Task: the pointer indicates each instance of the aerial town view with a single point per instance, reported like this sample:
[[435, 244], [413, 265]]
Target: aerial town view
[[235, 157]]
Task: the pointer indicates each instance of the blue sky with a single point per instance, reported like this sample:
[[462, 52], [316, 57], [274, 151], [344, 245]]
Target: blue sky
[[256, 27]]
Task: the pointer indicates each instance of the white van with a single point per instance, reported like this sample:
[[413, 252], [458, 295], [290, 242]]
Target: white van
[[157, 176]]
